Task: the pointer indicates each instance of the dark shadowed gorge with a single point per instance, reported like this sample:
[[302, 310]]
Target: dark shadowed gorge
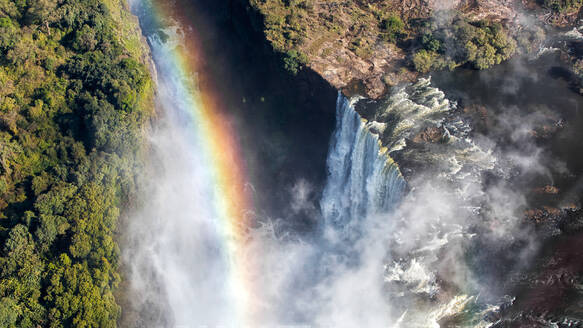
[[272, 163]]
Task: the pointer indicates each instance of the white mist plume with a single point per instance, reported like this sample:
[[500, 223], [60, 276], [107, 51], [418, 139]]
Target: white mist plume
[[379, 256], [174, 252], [374, 253], [301, 195]]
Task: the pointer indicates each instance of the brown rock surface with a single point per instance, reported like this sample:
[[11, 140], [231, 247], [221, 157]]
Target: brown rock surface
[[430, 135], [341, 38], [548, 189], [544, 214]]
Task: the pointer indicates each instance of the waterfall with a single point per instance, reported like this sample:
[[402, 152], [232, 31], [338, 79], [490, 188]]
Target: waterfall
[[180, 257], [381, 244], [363, 187], [362, 179], [179, 251]]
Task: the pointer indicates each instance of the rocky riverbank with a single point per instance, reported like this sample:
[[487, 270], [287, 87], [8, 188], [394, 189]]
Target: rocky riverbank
[[364, 47]]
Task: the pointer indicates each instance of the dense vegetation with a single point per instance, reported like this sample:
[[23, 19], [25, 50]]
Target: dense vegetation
[[562, 5], [392, 28], [73, 95], [300, 28], [479, 44], [309, 31]]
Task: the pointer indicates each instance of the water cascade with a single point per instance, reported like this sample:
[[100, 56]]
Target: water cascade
[[197, 258], [362, 180], [186, 260]]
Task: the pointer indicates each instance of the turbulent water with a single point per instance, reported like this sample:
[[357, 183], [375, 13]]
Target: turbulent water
[[435, 240], [430, 224], [451, 241], [362, 181]]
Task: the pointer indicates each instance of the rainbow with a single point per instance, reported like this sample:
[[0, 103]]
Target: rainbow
[[232, 201]]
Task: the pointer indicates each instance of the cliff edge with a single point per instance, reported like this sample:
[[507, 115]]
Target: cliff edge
[[365, 46]]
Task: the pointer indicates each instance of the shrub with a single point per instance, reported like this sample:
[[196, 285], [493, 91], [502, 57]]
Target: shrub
[[430, 43], [423, 60], [293, 61], [562, 5], [480, 44], [392, 27]]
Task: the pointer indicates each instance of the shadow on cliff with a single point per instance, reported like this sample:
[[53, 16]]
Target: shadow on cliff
[[284, 121]]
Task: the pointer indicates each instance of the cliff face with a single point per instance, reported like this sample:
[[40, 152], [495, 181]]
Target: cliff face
[[363, 46], [471, 147]]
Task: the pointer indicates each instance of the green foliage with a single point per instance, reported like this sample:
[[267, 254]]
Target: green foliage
[[430, 43], [478, 44], [8, 312], [423, 60], [285, 23], [392, 27], [5, 22], [293, 61], [72, 101], [562, 5], [40, 11], [484, 44]]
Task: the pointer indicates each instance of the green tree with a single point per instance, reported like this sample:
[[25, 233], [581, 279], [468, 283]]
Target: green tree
[[392, 27], [423, 60], [293, 61], [41, 12], [73, 103]]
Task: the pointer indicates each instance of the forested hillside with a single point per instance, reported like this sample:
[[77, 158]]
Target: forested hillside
[[74, 96]]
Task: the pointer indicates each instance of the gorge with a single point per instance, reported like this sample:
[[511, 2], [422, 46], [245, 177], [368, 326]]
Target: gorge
[[419, 223], [291, 163]]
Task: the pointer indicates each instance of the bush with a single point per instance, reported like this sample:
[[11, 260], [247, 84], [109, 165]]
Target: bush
[[293, 61], [480, 44], [423, 60], [430, 43], [5, 22], [392, 27]]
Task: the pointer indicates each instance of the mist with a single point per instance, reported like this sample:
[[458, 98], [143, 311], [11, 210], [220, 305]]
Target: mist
[[411, 235]]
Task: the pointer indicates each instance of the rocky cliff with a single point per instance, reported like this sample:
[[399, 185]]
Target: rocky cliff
[[364, 46]]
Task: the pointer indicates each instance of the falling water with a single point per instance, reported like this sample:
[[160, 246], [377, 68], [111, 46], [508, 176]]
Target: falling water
[[179, 265], [181, 273], [362, 179]]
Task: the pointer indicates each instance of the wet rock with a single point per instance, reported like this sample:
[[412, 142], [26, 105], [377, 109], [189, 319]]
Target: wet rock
[[541, 215], [546, 131], [430, 135], [548, 189]]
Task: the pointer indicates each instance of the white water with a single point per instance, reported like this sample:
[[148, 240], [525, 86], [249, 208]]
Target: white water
[[179, 271], [347, 276], [362, 180], [363, 186], [378, 253], [375, 261], [372, 230]]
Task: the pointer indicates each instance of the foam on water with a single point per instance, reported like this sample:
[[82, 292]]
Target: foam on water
[[362, 178]]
